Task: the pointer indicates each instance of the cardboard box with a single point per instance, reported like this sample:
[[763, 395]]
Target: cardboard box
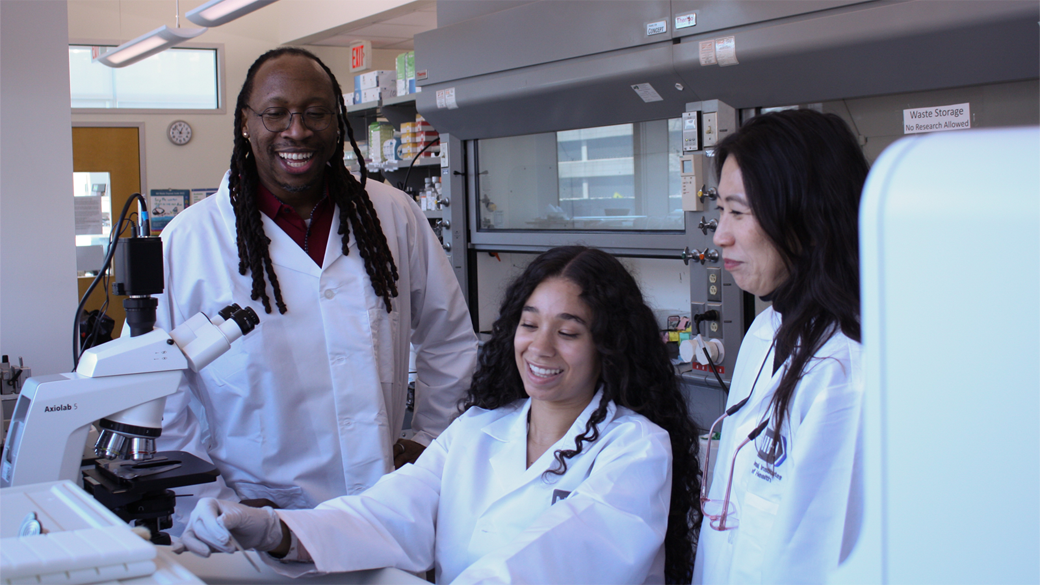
[[377, 93], [378, 133], [401, 62], [409, 71], [418, 137], [370, 95], [410, 150], [380, 78], [406, 73]]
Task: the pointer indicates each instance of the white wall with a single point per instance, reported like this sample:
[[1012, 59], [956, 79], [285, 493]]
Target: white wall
[[37, 297]]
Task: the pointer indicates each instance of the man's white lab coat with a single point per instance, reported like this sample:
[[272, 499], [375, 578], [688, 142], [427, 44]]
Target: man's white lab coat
[[307, 406]]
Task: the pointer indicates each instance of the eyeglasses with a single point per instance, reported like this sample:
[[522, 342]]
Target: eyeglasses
[[280, 119], [722, 514]]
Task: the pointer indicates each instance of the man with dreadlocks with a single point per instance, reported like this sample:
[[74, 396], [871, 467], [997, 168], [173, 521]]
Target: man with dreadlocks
[[310, 405]]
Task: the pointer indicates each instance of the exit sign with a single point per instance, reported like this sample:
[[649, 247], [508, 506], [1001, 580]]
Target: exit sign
[[360, 56]]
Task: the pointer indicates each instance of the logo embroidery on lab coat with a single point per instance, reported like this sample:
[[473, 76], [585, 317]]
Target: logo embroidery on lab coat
[[559, 495], [766, 470]]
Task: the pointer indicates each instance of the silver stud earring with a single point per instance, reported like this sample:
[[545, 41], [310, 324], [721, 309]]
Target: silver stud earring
[[245, 135]]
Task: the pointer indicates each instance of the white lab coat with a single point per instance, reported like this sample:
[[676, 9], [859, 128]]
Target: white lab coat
[[307, 406], [470, 507], [792, 514]]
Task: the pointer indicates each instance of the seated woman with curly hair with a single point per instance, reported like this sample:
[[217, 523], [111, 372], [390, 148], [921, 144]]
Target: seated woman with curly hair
[[573, 462]]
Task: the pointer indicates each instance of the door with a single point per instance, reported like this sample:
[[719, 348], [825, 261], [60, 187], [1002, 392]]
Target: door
[[117, 151]]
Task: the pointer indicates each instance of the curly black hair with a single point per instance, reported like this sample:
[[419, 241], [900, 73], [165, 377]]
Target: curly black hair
[[345, 191], [635, 373]]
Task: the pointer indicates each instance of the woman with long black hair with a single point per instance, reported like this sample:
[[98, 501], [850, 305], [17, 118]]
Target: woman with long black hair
[[573, 462], [782, 506]]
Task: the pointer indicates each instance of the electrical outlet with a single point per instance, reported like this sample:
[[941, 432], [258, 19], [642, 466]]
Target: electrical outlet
[[714, 284], [696, 309], [714, 328]]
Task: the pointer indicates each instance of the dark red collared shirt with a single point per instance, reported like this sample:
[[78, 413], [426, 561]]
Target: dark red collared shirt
[[312, 238]]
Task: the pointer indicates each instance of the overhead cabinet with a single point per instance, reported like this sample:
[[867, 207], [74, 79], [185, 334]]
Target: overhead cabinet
[[553, 65]]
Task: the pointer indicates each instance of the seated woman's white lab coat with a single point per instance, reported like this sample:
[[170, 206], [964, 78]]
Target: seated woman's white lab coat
[[471, 508]]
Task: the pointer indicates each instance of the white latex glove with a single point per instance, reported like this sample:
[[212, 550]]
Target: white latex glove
[[213, 523]]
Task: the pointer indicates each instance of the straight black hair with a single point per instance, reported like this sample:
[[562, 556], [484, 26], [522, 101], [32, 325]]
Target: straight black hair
[[803, 174]]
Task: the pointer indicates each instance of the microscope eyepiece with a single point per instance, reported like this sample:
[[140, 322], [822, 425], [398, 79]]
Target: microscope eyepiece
[[247, 319], [229, 310]]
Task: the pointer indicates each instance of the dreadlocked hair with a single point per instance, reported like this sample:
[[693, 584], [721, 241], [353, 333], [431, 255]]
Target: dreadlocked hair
[[635, 373], [345, 191]]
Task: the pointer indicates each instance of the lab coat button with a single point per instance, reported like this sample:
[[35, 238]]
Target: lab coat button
[[356, 489], [329, 293]]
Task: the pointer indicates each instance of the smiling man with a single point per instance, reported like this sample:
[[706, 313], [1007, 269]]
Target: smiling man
[[310, 405]]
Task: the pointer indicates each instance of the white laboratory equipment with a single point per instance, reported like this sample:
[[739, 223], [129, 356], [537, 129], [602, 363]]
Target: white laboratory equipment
[[54, 532], [950, 257], [122, 386]]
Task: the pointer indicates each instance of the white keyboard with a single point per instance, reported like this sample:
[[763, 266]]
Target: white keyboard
[[83, 542], [76, 557]]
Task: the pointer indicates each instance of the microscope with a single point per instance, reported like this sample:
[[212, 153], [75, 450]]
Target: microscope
[[121, 386]]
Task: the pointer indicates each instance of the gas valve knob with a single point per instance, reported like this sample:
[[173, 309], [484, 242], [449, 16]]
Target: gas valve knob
[[711, 256], [692, 254], [442, 201], [707, 224], [687, 254], [709, 192]]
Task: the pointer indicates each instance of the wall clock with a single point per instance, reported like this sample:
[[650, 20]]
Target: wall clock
[[179, 132]]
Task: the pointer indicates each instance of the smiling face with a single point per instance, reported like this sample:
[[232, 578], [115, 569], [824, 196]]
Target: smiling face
[[291, 163], [747, 252], [554, 349]]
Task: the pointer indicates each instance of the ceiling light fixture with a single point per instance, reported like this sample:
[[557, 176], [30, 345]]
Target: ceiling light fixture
[[149, 44], [218, 12]]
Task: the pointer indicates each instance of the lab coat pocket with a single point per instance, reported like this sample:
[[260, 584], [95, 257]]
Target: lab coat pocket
[[286, 498], [384, 328], [756, 518]]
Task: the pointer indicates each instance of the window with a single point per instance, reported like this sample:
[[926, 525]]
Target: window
[[610, 178], [176, 79], [93, 192]]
